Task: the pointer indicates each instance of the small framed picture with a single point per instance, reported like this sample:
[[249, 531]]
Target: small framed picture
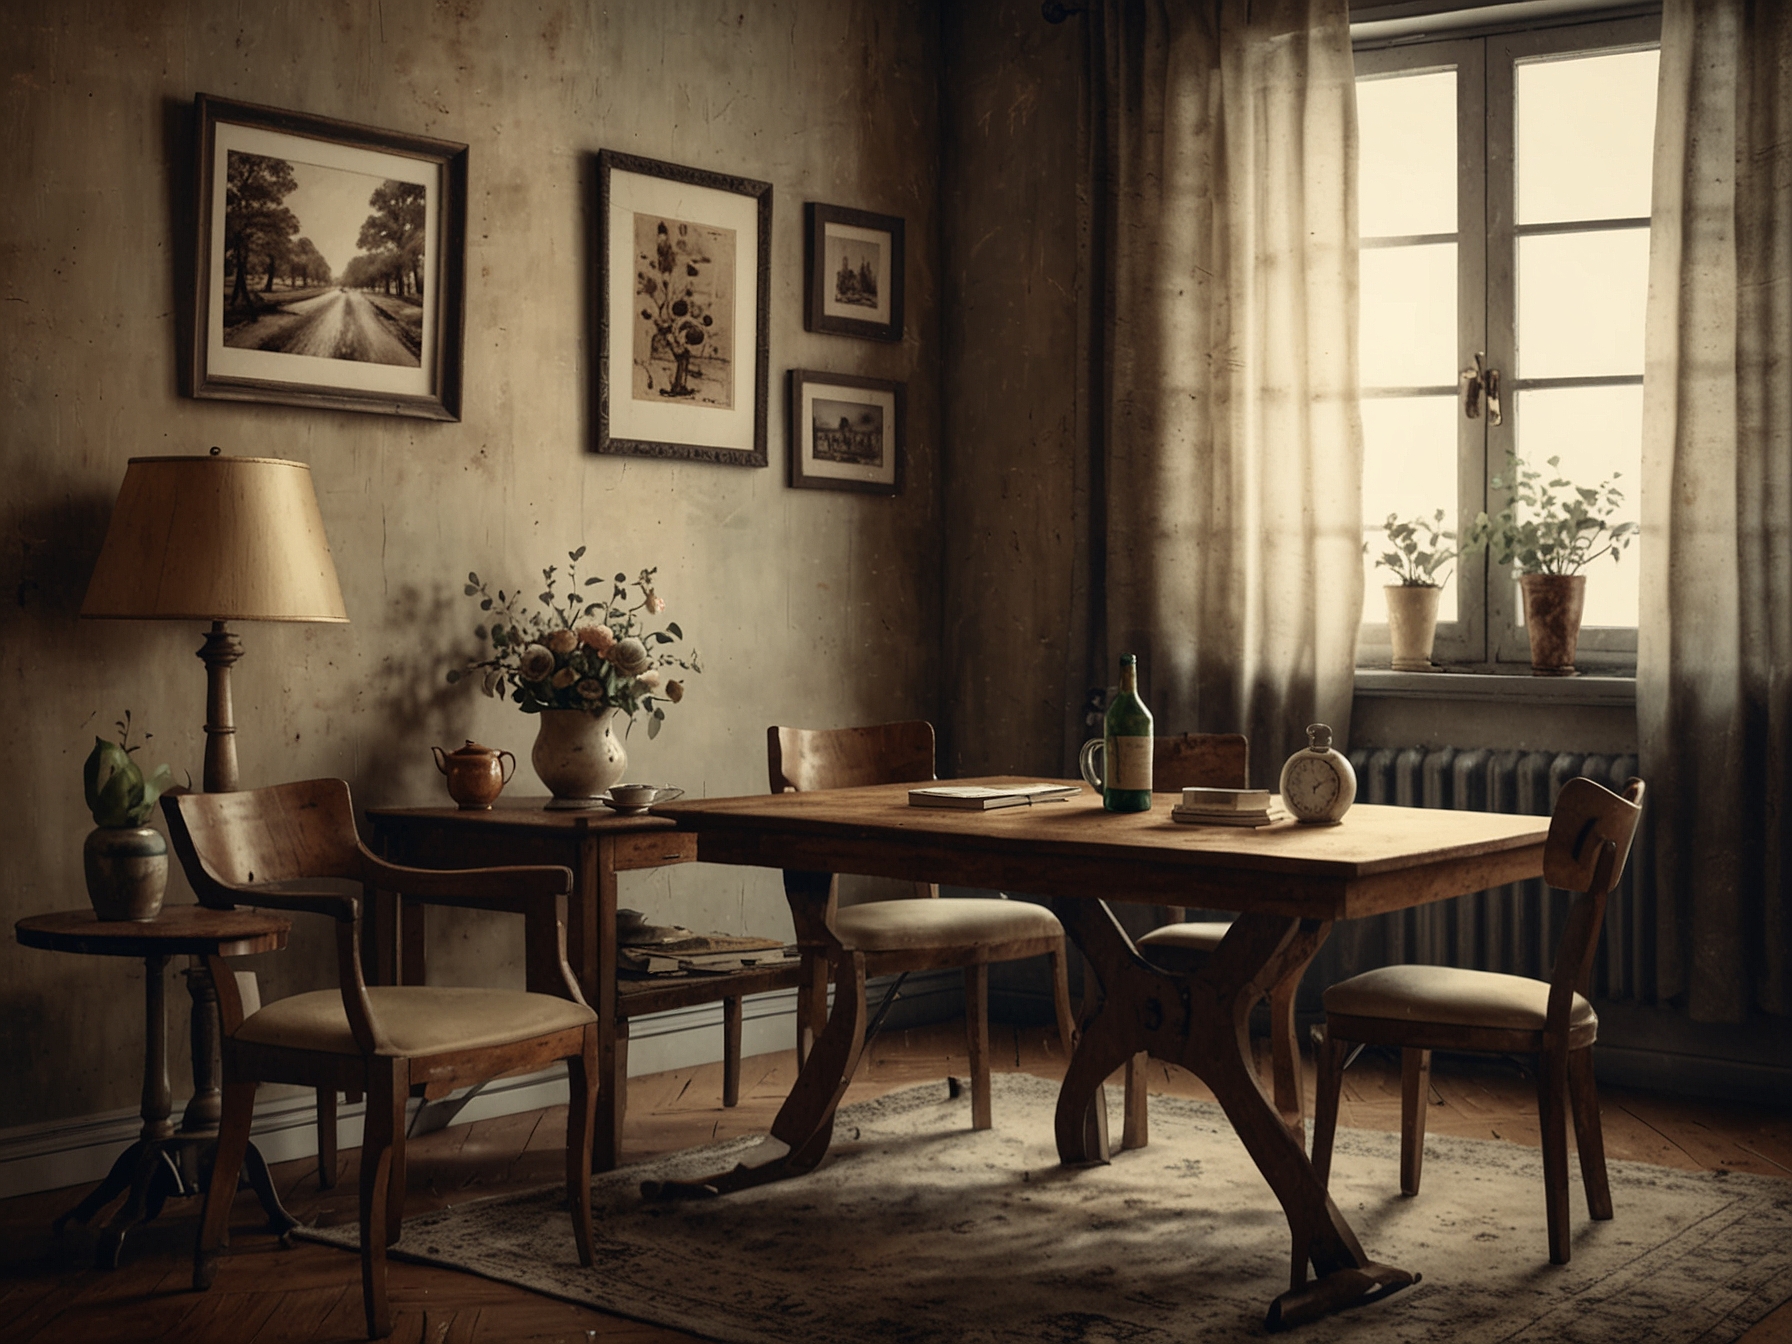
[[845, 432], [683, 312], [330, 263], [852, 285]]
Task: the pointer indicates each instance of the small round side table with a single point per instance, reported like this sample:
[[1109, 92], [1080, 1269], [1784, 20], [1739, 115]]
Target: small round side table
[[152, 1167]]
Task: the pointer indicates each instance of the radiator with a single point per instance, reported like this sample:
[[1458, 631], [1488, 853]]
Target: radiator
[[1514, 928]]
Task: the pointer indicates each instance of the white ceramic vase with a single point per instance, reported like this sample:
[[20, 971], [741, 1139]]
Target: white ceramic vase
[[578, 755]]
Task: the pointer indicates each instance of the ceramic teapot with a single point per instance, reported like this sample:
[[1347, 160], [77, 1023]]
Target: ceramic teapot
[[476, 774]]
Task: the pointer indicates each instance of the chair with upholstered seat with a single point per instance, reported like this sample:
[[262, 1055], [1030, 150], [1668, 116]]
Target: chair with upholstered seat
[[294, 847], [1424, 1008], [904, 935]]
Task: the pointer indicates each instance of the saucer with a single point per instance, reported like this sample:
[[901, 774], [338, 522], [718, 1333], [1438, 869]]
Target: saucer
[[664, 795]]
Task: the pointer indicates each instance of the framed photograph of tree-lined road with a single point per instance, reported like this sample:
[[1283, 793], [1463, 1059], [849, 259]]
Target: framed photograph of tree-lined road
[[330, 263], [683, 312]]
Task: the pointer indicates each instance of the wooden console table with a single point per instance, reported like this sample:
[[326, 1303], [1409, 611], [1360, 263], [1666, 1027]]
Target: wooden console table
[[596, 845], [156, 1166]]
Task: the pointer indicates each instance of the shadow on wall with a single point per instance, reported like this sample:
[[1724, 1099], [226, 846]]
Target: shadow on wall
[[411, 705]]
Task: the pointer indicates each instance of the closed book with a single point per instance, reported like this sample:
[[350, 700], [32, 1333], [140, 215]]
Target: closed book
[[984, 797], [1203, 817], [1226, 800]]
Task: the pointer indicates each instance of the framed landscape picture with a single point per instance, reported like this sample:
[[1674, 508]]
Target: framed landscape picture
[[330, 263], [684, 307], [852, 284], [845, 432]]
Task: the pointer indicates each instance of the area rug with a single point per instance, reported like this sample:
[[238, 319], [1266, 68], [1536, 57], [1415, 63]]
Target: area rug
[[918, 1229]]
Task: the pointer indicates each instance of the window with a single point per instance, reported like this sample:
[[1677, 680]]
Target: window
[[1504, 193]]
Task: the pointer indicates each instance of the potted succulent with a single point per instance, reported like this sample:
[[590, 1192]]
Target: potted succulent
[[1550, 530], [126, 861], [1419, 555]]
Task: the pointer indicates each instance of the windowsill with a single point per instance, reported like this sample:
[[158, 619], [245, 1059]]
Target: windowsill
[[1598, 688]]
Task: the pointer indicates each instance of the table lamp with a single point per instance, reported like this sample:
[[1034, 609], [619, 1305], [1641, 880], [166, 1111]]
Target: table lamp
[[216, 539]]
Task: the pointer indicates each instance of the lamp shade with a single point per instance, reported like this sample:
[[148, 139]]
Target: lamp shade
[[215, 539]]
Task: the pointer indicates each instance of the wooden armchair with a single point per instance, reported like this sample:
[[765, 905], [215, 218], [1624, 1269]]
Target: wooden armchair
[[294, 847], [1426, 1008], [906, 935]]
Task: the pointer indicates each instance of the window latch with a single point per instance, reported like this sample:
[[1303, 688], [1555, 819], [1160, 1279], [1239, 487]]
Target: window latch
[[1478, 384]]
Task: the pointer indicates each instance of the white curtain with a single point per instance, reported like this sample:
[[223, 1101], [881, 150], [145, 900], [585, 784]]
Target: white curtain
[[1231, 453], [1715, 635]]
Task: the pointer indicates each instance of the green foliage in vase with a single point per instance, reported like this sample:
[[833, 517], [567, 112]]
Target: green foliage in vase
[[1418, 551], [1551, 526], [579, 651], [118, 793]]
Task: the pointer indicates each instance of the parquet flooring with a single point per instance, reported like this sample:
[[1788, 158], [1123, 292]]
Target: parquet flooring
[[265, 1295]]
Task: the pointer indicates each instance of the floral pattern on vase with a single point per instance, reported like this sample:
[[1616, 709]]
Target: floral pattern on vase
[[578, 755]]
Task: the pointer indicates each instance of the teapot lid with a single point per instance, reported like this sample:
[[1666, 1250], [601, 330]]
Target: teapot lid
[[473, 749]]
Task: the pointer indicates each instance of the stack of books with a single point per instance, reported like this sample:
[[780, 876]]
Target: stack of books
[[1227, 807]]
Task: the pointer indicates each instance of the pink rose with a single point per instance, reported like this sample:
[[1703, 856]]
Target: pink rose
[[655, 604], [598, 637]]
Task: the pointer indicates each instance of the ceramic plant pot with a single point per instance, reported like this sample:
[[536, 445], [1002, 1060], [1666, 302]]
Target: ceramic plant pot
[[578, 755], [1412, 625], [1552, 608], [127, 872]]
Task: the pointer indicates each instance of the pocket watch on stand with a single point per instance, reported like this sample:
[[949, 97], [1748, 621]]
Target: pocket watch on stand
[[1318, 784]]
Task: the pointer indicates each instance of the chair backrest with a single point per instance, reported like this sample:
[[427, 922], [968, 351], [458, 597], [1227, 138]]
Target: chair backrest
[[801, 759], [286, 833], [1200, 761], [1589, 839]]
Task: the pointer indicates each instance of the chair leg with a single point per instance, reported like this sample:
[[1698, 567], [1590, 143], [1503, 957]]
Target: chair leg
[[1136, 1129], [1589, 1138], [976, 1033], [233, 1141], [388, 1084], [1415, 1097], [1552, 1119], [581, 1126], [731, 1024], [326, 1138], [1325, 1106]]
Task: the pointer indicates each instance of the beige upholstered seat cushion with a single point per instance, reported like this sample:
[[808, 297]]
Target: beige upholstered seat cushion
[[888, 926], [1195, 936], [417, 1019], [1450, 995]]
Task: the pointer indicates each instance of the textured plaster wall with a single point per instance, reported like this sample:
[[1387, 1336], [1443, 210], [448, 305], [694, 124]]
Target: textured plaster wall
[[807, 606]]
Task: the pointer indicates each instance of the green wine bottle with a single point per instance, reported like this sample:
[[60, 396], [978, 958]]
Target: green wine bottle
[[1126, 746]]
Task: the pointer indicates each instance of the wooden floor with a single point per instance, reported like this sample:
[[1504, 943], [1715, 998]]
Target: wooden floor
[[265, 1295]]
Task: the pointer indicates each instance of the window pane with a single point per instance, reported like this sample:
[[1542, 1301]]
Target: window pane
[[1407, 328], [1596, 432], [1586, 137], [1406, 135], [1409, 468], [1580, 303]]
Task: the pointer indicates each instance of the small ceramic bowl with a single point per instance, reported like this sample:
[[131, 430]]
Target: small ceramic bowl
[[634, 795]]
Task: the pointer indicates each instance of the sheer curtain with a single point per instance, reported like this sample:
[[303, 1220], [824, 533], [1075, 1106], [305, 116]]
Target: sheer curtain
[[1715, 634], [1230, 459]]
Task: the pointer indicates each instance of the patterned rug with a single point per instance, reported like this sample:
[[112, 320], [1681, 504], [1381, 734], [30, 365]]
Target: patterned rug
[[918, 1229]]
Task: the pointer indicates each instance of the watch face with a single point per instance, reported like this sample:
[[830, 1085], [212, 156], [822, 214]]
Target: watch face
[[1311, 786]]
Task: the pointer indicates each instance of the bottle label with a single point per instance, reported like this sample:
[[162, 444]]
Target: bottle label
[[1127, 763]]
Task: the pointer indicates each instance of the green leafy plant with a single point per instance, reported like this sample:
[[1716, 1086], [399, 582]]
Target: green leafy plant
[[118, 793], [1418, 553], [578, 651], [1551, 525]]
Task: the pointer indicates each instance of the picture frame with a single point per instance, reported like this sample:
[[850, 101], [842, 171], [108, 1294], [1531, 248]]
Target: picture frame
[[683, 297], [852, 273], [329, 263], [847, 432]]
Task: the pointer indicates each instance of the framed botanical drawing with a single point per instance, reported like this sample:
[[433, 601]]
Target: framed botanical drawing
[[329, 263], [683, 311], [846, 433], [852, 285]]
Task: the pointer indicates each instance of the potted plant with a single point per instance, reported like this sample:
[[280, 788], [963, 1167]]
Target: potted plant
[[579, 663], [1549, 531], [126, 861], [1419, 555]]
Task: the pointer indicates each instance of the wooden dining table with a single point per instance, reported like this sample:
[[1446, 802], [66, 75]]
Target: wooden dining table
[[1288, 882]]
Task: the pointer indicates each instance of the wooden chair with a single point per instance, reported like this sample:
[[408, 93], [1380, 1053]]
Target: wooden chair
[[294, 847], [1426, 1008], [907, 935], [1211, 761]]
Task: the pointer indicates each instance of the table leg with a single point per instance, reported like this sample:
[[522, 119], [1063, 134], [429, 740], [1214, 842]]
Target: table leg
[[1201, 1021]]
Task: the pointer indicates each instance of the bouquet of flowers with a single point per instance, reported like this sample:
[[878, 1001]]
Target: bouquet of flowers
[[579, 652]]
